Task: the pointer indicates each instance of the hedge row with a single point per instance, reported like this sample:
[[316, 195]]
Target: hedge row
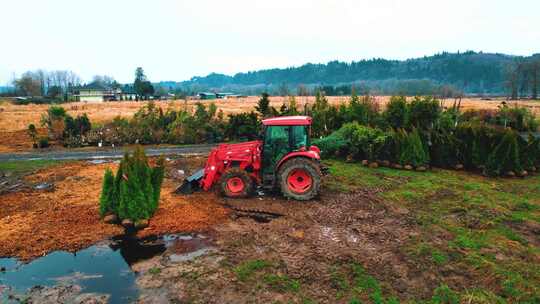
[[475, 146]]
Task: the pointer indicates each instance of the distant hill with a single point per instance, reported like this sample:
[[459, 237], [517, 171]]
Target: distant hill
[[470, 72]]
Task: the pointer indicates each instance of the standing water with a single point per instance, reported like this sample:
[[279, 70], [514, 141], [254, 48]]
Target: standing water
[[101, 269]]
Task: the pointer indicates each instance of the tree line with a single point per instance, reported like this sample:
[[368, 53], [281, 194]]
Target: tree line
[[469, 72], [444, 75]]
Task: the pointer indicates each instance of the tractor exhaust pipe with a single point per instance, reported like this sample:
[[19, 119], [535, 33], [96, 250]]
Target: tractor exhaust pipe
[[191, 184]]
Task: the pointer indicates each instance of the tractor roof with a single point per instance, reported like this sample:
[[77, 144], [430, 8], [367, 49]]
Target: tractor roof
[[288, 121]]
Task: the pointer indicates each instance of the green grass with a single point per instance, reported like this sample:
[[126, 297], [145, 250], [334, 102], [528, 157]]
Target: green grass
[[154, 270], [354, 283], [247, 269], [282, 283], [26, 166], [472, 217]]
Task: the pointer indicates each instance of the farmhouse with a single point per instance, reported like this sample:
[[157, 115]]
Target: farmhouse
[[95, 93], [100, 93]]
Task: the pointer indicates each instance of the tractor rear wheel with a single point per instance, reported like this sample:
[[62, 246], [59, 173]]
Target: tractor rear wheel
[[300, 179], [236, 183]]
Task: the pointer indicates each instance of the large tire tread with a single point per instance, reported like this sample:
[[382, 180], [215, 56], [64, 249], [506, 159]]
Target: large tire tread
[[236, 172], [305, 163]]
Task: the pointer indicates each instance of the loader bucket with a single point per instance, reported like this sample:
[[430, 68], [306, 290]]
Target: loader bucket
[[191, 184]]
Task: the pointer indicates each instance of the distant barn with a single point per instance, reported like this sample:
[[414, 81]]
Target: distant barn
[[207, 95]]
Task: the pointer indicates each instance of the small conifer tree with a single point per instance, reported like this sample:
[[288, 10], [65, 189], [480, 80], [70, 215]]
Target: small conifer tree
[[106, 199], [410, 148], [505, 156], [135, 190]]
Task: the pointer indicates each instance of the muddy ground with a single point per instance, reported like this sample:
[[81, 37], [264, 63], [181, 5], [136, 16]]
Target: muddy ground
[[302, 241], [64, 215], [266, 249]]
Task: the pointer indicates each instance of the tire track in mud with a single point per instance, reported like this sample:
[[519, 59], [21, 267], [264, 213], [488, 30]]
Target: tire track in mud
[[309, 238]]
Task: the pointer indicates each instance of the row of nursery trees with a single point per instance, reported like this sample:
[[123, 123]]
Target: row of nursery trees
[[419, 132], [408, 134], [422, 133]]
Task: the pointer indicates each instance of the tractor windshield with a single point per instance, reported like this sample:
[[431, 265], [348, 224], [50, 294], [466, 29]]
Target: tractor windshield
[[281, 140], [299, 137]]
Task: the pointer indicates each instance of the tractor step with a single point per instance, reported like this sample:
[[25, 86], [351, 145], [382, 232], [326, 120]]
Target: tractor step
[[268, 181]]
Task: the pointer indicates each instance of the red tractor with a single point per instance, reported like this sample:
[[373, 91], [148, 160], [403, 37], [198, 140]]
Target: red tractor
[[284, 159]]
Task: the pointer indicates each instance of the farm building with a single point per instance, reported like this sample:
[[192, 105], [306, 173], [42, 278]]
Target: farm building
[[207, 95], [95, 93], [100, 93]]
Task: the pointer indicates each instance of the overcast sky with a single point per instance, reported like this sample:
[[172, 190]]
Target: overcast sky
[[178, 39]]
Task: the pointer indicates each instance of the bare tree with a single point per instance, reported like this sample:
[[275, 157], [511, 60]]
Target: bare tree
[[40, 82], [28, 85]]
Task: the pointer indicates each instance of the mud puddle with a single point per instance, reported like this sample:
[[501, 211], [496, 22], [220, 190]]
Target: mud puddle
[[103, 269]]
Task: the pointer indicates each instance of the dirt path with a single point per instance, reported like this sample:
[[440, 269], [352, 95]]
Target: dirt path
[[104, 153]]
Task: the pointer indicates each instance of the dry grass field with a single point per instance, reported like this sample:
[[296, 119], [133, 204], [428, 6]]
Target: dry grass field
[[14, 119], [17, 117]]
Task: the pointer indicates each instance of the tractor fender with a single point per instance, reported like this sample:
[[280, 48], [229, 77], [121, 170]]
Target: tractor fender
[[307, 154]]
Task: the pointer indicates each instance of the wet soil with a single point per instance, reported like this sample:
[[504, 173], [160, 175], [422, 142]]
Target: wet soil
[[304, 241], [34, 222]]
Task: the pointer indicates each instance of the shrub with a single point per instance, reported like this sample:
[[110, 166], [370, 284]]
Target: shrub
[[529, 151], [263, 105], [444, 146], [423, 112], [445, 150], [53, 119], [364, 111], [135, 190], [75, 130], [505, 156], [476, 140], [354, 139], [409, 148], [320, 112], [243, 126], [396, 112], [32, 132], [365, 142], [43, 142], [106, 199], [333, 145], [517, 118]]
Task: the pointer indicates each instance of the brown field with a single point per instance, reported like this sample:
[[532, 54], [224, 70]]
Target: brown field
[[15, 118]]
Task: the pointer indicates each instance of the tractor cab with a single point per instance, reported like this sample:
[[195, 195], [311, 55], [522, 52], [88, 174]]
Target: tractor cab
[[283, 138]]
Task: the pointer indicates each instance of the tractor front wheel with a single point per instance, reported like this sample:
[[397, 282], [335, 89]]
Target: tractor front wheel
[[300, 179], [236, 183]]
